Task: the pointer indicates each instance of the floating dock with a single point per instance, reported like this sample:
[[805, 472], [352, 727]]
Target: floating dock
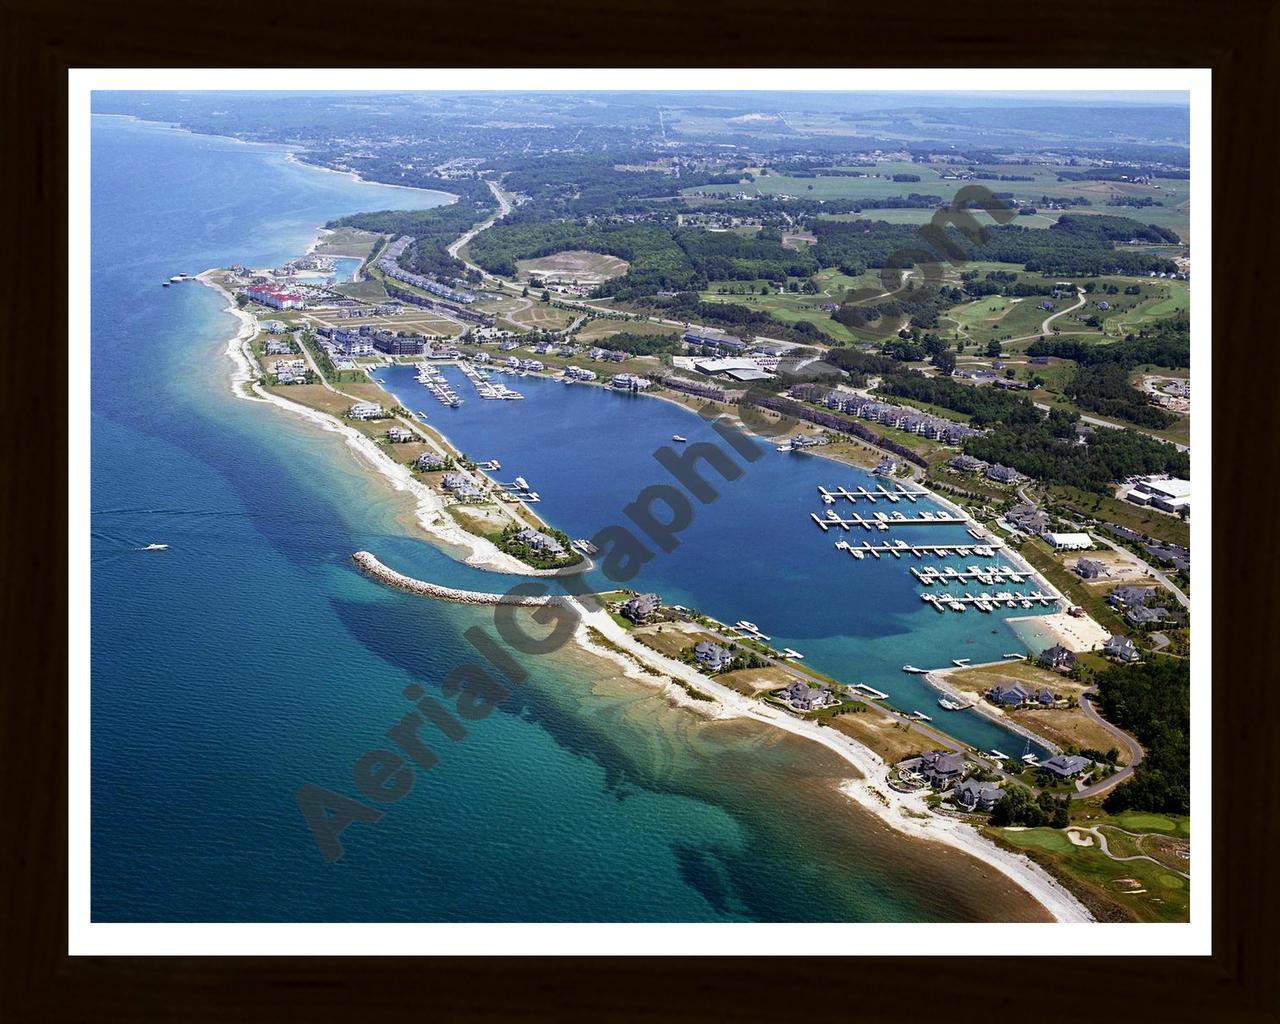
[[986, 602], [830, 495], [901, 547], [986, 576], [869, 691], [434, 381], [883, 520]]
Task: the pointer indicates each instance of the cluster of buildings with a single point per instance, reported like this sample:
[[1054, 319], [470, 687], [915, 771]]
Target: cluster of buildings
[[278, 347], [578, 373], [366, 411], [609, 354], [991, 470], [366, 339], [628, 382], [384, 309], [273, 296], [707, 337], [389, 265], [900, 417], [1168, 494], [693, 387], [1028, 519]]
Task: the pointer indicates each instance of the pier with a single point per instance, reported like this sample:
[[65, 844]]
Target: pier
[[830, 496], [485, 387], [869, 691], [900, 548]]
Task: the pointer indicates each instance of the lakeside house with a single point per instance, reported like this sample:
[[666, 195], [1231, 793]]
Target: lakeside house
[[1016, 694], [462, 486], [365, 411], [804, 697], [640, 607], [1121, 648], [627, 382], [278, 347], [1065, 766], [429, 461], [398, 435], [1058, 658], [540, 542], [578, 373], [712, 657], [973, 795], [938, 768], [886, 467]]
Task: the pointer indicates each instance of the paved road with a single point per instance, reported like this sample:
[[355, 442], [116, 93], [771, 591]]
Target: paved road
[[1135, 750]]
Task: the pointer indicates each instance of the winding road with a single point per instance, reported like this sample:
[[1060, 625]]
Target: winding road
[[1135, 749]]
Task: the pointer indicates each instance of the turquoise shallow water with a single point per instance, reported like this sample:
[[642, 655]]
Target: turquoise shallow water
[[250, 658]]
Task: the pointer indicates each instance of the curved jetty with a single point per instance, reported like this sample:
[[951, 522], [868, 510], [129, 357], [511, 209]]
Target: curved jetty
[[370, 566]]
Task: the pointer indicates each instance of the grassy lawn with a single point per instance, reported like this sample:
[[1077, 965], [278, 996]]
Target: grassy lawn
[[754, 681], [543, 317], [369, 290], [1130, 890], [892, 739], [347, 241], [603, 327]]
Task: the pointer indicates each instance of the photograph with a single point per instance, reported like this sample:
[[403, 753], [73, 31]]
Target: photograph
[[582, 500]]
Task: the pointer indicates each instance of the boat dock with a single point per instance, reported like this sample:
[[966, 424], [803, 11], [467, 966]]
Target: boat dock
[[749, 630], [900, 548], [829, 496], [869, 691], [883, 520], [986, 576], [433, 380], [487, 388], [986, 602]]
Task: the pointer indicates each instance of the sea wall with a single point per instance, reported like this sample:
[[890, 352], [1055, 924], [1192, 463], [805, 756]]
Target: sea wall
[[370, 566]]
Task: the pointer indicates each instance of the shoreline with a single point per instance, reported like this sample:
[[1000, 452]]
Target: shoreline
[[905, 813]]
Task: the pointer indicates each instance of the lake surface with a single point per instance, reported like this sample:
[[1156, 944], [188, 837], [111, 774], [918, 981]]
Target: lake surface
[[251, 658]]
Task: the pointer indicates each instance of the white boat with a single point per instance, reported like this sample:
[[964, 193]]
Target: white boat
[[677, 437], [789, 653], [784, 448], [156, 547]]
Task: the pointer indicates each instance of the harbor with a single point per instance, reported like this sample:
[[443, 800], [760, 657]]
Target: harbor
[[434, 381], [986, 602], [487, 388], [986, 576]]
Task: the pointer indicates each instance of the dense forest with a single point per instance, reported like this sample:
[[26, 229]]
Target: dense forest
[[1049, 451], [433, 229], [1153, 701], [1104, 388]]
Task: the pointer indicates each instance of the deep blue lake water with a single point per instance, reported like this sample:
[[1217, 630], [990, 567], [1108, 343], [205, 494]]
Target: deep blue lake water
[[251, 658]]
